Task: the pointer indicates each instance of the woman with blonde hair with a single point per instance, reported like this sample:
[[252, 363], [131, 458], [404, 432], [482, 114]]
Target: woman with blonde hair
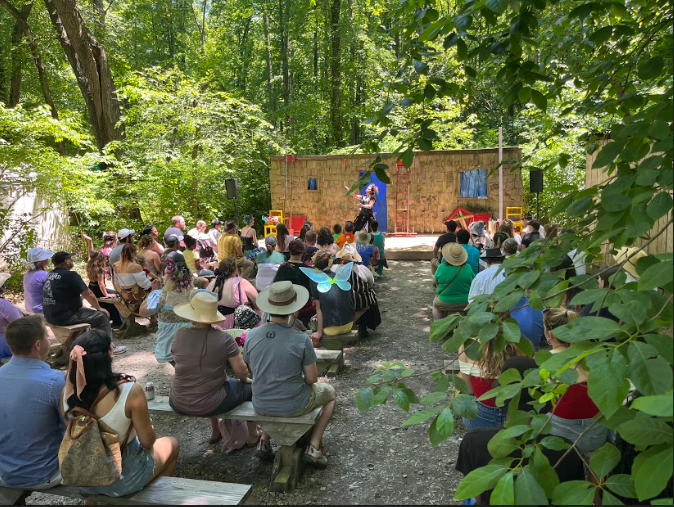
[[130, 279], [480, 377], [573, 415], [97, 269]]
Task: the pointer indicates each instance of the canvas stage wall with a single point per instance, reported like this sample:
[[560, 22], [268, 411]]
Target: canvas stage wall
[[434, 188]]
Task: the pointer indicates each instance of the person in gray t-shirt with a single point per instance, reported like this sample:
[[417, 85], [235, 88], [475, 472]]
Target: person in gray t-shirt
[[283, 363]]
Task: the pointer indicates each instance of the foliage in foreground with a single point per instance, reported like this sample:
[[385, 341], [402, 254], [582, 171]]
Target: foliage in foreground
[[618, 55]]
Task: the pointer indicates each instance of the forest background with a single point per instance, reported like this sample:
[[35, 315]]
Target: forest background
[[191, 93]]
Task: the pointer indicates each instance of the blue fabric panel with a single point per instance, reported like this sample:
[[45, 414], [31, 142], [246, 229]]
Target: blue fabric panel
[[474, 183]]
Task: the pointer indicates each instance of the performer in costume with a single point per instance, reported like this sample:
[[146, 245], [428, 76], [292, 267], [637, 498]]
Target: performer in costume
[[366, 205]]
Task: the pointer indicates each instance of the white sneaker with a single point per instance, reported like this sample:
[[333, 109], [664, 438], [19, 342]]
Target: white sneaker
[[118, 349]]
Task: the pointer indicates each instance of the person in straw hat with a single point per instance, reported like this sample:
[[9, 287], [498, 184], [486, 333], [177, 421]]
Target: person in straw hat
[[283, 362], [365, 248], [453, 281], [201, 386], [33, 281]]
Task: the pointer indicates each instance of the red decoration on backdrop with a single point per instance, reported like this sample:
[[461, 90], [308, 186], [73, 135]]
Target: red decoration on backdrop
[[290, 158]]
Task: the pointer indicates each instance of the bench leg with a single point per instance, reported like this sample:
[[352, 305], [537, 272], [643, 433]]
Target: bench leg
[[130, 329], [287, 468], [61, 358]]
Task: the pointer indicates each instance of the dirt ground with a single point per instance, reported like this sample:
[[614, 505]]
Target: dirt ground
[[372, 458]]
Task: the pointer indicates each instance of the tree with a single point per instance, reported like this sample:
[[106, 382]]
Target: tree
[[618, 57]]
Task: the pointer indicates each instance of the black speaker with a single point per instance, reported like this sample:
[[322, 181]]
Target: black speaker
[[232, 186], [536, 181]]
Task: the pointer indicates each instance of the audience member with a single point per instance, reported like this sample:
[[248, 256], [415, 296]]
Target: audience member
[[196, 264], [365, 248], [97, 271], [290, 271], [172, 245], [230, 245], [579, 259], [130, 280], [283, 239], [454, 277], [529, 320], [214, 233], [573, 416], [177, 284], [283, 363], [479, 234], [532, 236], [474, 452], [326, 242], [151, 259], [549, 231], [176, 229], [232, 290], [126, 238], [310, 243], [378, 241], [155, 246], [201, 386], [120, 403], [268, 263], [33, 280], [486, 281], [8, 313], [463, 237], [336, 232], [448, 237], [348, 236], [32, 427], [63, 293], [109, 242], [249, 236]]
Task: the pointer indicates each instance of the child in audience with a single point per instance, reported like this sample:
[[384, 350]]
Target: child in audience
[[348, 236], [337, 232]]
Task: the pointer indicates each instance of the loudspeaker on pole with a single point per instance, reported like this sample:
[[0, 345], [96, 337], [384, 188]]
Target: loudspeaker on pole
[[232, 186], [536, 181]]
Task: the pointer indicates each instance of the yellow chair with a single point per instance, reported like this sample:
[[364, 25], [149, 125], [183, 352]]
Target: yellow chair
[[515, 213], [270, 229]]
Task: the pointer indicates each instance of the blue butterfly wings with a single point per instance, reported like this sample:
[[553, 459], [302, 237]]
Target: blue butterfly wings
[[342, 278]]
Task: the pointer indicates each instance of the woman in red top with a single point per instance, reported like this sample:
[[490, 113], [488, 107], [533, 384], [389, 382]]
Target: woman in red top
[[574, 412]]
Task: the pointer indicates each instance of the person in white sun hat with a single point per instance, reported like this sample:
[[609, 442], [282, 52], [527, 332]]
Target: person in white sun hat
[[283, 363], [33, 281]]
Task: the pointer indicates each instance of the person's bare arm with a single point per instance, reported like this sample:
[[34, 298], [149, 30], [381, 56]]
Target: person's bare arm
[[101, 285], [240, 368], [318, 334], [310, 373], [136, 409], [91, 298], [156, 262], [435, 252]]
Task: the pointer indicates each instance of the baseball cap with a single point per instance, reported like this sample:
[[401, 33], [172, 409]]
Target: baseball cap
[[60, 257], [215, 222], [270, 241], [171, 240], [125, 232]]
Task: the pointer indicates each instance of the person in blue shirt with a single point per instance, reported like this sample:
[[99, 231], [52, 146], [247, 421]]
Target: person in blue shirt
[[32, 426], [463, 237], [530, 321]]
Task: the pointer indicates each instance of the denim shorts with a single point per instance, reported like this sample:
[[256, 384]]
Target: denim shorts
[[487, 417], [137, 469], [570, 429]]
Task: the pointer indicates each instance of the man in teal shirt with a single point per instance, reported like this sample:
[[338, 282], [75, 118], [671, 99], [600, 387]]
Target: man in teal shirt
[[463, 237]]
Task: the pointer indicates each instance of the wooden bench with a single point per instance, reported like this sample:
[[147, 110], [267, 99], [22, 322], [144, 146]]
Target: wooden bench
[[339, 342], [330, 362], [65, 335], [291, 433], [161, 491], [130, 328]]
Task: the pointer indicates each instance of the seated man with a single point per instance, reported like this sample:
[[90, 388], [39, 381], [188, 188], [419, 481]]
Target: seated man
[[63, 293], [474, 454], [448, 237], [32, 427], [283, 363]]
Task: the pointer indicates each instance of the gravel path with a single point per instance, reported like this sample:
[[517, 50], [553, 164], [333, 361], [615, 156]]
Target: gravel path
[[372, 458]]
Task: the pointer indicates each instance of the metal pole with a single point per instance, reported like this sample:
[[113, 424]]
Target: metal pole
[[291, 203], [538, 206], [500, 173], [285, 194]]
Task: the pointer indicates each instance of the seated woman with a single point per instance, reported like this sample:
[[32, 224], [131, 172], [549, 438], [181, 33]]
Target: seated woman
[[155, 246], [196, 263], [453, 278], [130, 279], [480, 377], [249, 237], [33, 280], [152, 260], [334, 309], [109, 242], [290, 271], [326, 242], [8, 313], [268, 262], [177, 286], [573, 414], [97, 269], [232, 291], [201, 386], [283, 239], [121, 406]]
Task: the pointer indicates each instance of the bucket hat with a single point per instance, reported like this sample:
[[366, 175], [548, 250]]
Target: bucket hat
[[454, 254], [282, 298], [202, 308]]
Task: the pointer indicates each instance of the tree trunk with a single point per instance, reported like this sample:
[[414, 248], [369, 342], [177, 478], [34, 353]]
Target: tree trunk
[[243, 74], [17, 60], [90, 65], [316, 42], [336, 78], [283, 36], [270, 70]]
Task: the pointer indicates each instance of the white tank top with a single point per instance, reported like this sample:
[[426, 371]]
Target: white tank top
[[116, 419]]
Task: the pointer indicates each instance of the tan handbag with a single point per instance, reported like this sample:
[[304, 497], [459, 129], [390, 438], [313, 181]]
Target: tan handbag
[[90, 454]]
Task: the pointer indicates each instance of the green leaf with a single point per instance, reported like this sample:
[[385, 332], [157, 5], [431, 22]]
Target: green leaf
[[621, 484], [408, 157], [615, 202], [509, 301], [544, 474], [607, 382], [509, 376], [511, 330], [607, 154], [422, 416], [645, 430], [502, 445], [524, 94], [528, 491], [433, 398], [659, 130], [364, 399], [609, 499], [555, 444], [420, 67], [602, 35], [497, 6], [651, 375], [604, 459], [478, 481], [663, 344], [504, 492], [659, 206], [528, 279], [588, 328], [654, 474], [401, 398], [488, 332], [465, 406], [659, 405], [539, 100], [441, 328], [658, 275], [574, 493], [445, 423], [651, 68]]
